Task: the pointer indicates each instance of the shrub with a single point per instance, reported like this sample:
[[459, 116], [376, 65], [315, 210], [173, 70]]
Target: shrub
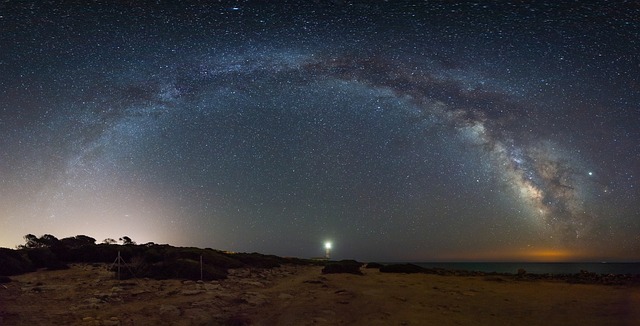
[[44, 258], [185, 269], [374, 265], [14, 262], [257, 260], [344, 266]]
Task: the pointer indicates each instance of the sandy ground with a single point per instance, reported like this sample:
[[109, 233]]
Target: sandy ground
[[295, 295]]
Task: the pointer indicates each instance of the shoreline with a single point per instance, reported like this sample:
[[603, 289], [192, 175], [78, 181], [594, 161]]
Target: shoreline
[[557, 267], [583, 277]]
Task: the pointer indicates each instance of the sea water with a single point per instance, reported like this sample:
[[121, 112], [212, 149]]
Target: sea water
[[538, 268]]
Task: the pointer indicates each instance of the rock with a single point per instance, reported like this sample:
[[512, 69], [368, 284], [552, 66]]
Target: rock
[[188, 282], [191, 292], [138, 292], [110, 323], [197, 316], [285, 296], [212, 287], [87, 319], [104, 296], [93, 301], [240, 272], [254, 298], [238, 321], [254, 283], [169, 311], [313, 281]]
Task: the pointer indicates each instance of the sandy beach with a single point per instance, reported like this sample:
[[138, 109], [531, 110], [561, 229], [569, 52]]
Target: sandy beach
[[301, 295]]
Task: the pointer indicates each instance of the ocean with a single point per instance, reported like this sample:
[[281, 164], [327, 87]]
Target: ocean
[[538, 268]]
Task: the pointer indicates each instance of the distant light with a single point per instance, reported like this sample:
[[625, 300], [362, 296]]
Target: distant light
[[327, 245], [590, 173]]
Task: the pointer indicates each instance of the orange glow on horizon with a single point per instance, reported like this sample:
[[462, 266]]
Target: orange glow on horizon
[[525, 255], [551, 255]]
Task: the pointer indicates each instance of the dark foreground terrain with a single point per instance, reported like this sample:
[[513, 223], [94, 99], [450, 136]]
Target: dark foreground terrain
[[88, 294]]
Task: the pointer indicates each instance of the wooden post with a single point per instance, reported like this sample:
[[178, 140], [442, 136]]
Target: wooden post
[[119, 258], [201, 279]]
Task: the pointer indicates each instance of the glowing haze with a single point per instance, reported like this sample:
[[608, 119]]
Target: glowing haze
[[400, 130]]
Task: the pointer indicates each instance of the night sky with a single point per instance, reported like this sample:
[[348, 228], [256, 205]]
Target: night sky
[[399, 130]]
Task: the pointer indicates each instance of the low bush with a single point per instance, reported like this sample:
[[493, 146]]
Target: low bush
[[374, 265], [344, 266], [14, 262]]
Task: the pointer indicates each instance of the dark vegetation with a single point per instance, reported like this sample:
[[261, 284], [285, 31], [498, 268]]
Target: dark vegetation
[[161, 261], [157, 261], [373, 265], [343, 266]]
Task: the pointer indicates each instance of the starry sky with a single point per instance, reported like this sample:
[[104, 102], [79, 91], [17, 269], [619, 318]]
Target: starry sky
[[398, 130]]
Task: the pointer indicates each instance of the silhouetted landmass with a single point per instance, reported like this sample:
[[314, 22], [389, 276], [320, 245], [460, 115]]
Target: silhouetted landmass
[[156, 261], [343, 266], [402, 268], [373, 265], [162, 261]]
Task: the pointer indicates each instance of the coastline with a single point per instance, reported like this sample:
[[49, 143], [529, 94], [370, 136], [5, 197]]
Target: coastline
[[538, 267], [87, 294]]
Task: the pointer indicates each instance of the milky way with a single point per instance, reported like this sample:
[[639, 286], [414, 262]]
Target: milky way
[[398, 131], [537, 174]]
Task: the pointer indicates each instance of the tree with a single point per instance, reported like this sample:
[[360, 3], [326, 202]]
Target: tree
[[45, 241], [109, 241], [79, 241], [84, 240], [127, 241], [31, 241], [49, 240]]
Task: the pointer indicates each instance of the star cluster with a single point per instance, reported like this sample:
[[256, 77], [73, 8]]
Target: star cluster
[[399, 130]]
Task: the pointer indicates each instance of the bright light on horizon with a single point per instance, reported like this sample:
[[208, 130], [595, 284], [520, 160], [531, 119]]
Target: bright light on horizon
[[327, 245]]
